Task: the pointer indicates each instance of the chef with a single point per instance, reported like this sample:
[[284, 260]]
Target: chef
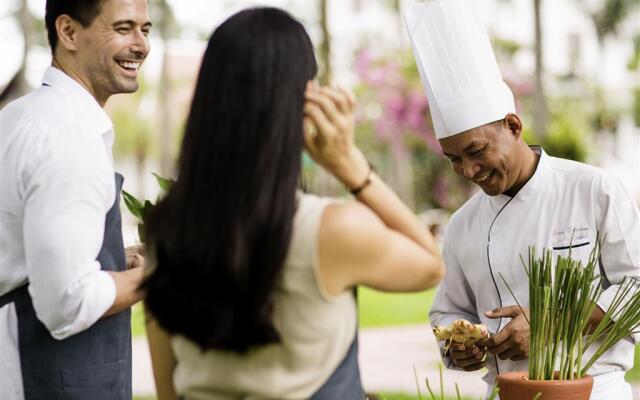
[[527, 198]]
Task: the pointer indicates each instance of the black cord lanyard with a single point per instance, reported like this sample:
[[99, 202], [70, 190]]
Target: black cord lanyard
[[491, 272]]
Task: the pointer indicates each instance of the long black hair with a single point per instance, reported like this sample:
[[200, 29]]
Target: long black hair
[[221, 235]]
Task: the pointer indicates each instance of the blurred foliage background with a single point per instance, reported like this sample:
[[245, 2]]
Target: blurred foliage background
[[573, 66], [565, 95]]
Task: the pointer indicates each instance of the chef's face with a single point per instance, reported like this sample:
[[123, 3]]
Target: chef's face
[[487, 155]]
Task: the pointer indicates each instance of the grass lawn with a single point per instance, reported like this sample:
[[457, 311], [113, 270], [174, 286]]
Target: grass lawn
[[381, 396], [137, 321], [375, 309], [402, 396], [384, 309], [633, 375]]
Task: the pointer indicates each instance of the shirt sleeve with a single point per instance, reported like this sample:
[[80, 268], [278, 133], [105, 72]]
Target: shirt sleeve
[[618, 221], [454, 298], [66, 191]]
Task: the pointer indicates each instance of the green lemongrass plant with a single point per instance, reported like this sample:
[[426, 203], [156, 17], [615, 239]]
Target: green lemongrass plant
[[432, 395], [621, 319], [562, 298]]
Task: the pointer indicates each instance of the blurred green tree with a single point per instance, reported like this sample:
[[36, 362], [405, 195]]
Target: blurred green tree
[[32, 31], [611, 15], [540, 109], [167, 27], [324, 48]]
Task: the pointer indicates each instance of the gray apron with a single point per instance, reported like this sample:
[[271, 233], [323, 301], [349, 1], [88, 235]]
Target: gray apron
[[92, 365], [344, 383]]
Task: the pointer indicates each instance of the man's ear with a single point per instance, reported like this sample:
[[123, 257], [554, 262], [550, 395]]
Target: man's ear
[[514, 124], [67, 29]]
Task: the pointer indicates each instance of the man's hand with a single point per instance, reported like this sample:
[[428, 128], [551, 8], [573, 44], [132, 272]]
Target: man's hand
[[512, 341], [135, 256], [596, 317], [470, 359]]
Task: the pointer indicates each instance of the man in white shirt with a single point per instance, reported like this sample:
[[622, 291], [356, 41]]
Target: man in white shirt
[[66, 286], [527, 198]]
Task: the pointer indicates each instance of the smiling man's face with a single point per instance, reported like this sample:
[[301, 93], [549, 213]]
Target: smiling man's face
[[486, 156], [111, 50]]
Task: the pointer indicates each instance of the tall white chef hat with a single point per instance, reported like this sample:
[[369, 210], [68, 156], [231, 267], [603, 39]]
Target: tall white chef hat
[[457, 66]]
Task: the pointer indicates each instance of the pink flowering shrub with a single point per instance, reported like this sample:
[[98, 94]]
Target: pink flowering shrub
[[394, 120]]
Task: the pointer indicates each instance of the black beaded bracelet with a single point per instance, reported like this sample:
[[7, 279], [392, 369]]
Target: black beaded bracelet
[[356, 191]]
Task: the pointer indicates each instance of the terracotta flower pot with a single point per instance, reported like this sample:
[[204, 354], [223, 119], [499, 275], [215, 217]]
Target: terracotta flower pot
[[517, 386]]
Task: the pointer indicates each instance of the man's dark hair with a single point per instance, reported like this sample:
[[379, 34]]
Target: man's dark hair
[[83, 11]]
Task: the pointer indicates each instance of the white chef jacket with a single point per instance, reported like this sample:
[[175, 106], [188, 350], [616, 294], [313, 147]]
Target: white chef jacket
[[487, 235], [57, 180]]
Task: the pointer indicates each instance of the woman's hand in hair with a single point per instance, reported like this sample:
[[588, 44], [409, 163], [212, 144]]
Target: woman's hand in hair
[[329, 133], [377, 241]]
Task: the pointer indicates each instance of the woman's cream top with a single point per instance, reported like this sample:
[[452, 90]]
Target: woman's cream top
[[316, 330]]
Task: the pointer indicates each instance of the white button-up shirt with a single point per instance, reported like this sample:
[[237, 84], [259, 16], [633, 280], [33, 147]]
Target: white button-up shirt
[[57, 185], [563, 201]]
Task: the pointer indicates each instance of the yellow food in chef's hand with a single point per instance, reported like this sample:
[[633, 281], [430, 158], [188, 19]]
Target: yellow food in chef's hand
[[461, 331]]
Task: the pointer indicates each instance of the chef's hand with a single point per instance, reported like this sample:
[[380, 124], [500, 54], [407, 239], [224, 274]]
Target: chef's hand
[[469, 359], [135, 256], [512, 341]]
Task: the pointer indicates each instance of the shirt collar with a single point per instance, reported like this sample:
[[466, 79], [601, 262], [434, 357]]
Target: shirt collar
[[532, 184], [88, 111]]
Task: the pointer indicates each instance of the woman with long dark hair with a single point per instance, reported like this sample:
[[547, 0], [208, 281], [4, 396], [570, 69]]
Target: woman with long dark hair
[[250, 293]]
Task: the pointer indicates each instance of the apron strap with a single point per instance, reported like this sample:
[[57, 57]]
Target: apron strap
[[13, 295]]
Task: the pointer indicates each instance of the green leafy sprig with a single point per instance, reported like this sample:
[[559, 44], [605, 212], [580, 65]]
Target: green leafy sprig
[[142, 208]]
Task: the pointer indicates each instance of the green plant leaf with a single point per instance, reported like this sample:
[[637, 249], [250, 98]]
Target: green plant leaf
[[494, 393], [141, 232], [133, 204], [415, 375], [146, 209], [164, 183]]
